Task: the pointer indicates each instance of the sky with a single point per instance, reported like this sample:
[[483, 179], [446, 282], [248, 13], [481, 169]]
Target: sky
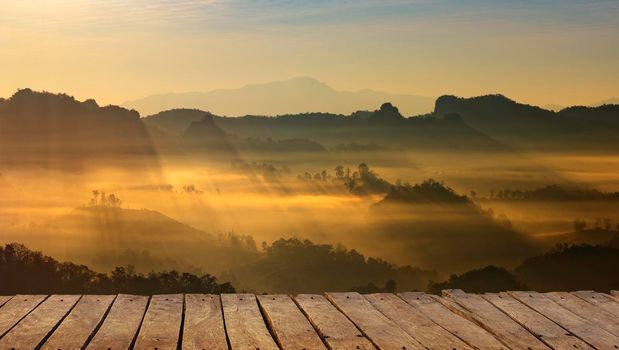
[[541, 52]]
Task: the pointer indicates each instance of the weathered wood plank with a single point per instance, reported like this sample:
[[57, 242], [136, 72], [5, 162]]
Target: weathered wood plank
[[290, 328], [204, 323], [79, 326], [576, 325], [121, 324], [338, 332], [16, 309], [381, 331], [415, 323], [586, 310], [244, 324], [30, 332], [601, 300], [4, 299], [487, 316], [549, 332], [161, 327], [462, 328]]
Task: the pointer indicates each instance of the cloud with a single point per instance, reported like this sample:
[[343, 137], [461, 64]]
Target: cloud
[[250, 15]]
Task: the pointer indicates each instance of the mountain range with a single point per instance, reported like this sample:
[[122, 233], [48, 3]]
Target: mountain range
[[529, 127], [296, 95], [40, 127]]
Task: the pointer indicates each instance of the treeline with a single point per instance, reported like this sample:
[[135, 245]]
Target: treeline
[[301, 266], [23, 271], [267, 170], [563, 268], [428, 191], [360, 181], [552, 193]]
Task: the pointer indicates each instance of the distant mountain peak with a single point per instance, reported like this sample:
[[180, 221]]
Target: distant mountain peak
[[204, 126], [206, 135], [290, 96], [386, 113]]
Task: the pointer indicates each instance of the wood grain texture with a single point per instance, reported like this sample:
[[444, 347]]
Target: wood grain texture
[[381, 331], [245, 326], [203, 328], [161, 327], [4, 299], [490, 318], [338, 332], [33, 329], [576, 325], [546, 330], [79, 326], [16, 309], [586, 310], [462, 328], [291, 329], [601, 300], [120, 326], [415, 323]]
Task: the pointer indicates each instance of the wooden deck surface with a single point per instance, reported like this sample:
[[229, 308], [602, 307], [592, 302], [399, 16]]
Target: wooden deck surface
[[405, 321]]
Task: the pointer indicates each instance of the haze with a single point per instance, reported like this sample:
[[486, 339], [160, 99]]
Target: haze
[[543, 53], [309, 146]]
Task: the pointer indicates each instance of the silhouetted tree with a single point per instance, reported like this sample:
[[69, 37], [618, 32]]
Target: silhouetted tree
[[580, 225], [339, 172], [23, 271]]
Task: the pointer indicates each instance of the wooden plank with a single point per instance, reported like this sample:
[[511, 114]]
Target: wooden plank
[[4, 299], [381, 331], [415, 323], [338, 332], [593, 335], [462, 328], [601, 300], [586, 310], [244, 324], [121, 324], [161, 327], [16, 309], [79, 326], [287, 323], [33, 329], [549, 332], [487, 316], [204, 323]]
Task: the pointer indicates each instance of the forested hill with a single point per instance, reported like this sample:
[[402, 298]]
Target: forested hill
[[384, 126], [42, 128], [530, 127]]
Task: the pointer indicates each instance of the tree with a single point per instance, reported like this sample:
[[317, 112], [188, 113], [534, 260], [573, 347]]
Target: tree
[[339, 171], [364, 170], [579, 225], [95, 197], [607, 224], [113, 201]]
